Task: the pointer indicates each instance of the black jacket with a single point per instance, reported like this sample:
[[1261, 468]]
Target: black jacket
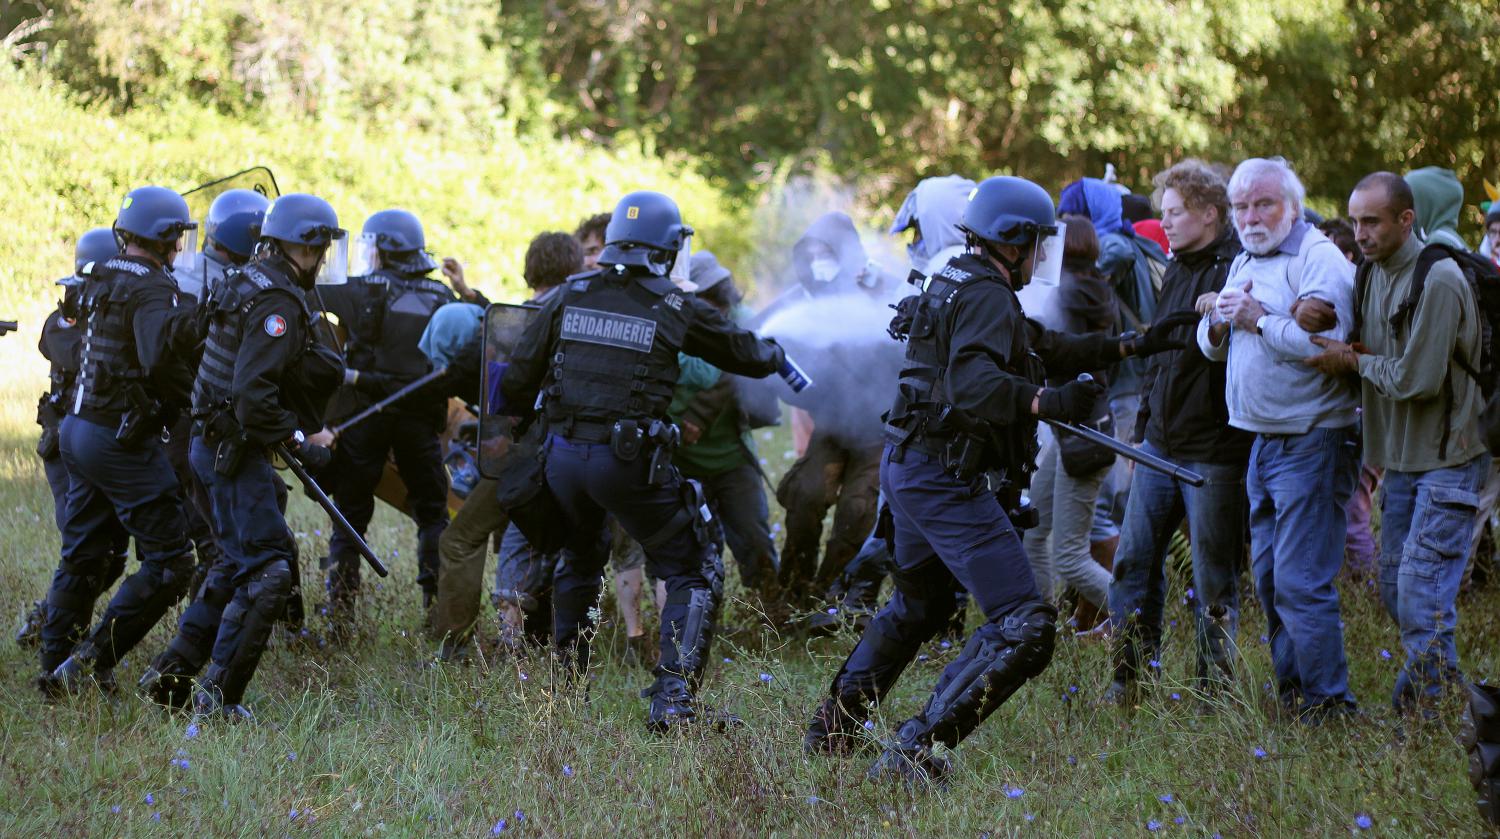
[[1182, 406]]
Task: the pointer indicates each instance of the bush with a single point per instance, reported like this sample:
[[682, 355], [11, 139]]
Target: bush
[[71, 161]]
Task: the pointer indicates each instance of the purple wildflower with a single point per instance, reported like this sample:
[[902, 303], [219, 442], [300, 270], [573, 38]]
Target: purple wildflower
[[499, 828], [567, 771], [765, 678], [1363, 822], [1385, 654], [115, 809], [520, 816], [1165, 799], [1014, 792], [1153, 825], [1259, 753], [150, 799], [1180, 820], [192, 731], [293, 814], [291, 757]]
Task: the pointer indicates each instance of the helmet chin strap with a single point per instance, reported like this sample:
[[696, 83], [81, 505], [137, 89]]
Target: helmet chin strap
[[1012, 266], [305, 279]]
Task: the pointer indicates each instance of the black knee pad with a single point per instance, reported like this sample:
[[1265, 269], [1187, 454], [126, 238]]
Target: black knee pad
[[1480, 735]]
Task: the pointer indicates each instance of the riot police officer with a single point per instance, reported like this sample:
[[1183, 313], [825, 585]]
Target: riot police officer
[[385, 312], [265, 377], [61, 344], [603, 354], [230, 232], [136, 370], [962, 427]]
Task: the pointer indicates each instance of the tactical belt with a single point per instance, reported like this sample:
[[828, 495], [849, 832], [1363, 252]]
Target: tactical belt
[[582, 431], [99, 416]]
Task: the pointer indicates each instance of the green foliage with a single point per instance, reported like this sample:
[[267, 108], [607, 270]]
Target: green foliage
[[70, 163]]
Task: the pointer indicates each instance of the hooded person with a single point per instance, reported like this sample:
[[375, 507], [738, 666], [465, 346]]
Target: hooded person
[[932, 212], [1134, 265], [1439, 197], [841, 289]]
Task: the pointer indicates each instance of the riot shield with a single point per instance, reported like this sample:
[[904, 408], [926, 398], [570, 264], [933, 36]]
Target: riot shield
[[257, 179], [503, 325]]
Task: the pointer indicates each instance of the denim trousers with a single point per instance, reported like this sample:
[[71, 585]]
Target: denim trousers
[[1215, 514], [1425, 520], [1298, 487]]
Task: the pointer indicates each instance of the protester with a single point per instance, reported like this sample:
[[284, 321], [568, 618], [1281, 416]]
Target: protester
[[1304, 458], [1185, 419], [1419, 324]]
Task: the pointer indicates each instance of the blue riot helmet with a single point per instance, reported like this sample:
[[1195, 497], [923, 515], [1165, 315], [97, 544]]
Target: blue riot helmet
[[154, 218], [302, 219], [1014, 211], [96, 245], [646, 230], [392, 239], [233, 222]]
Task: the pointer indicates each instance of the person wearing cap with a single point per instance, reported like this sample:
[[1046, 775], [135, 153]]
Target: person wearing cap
[[717, 449], [135, 373]]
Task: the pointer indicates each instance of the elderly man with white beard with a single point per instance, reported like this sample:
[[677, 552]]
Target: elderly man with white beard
[[1306, 450]]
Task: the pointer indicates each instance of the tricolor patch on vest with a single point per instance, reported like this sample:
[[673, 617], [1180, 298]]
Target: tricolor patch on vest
[[611, 329], [275, 326]]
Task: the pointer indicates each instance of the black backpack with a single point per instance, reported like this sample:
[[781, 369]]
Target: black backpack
[[1484, 281]]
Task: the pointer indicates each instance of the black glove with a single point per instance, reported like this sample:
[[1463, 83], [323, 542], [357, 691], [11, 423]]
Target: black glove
[[378, 385], [1072, 402], [1158, 337], [314, 456]]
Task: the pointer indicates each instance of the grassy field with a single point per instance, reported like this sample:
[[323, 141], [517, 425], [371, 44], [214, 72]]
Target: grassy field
[[367, 741]]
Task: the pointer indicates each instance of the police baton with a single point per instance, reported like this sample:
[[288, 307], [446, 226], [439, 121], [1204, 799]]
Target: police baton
[[387, 402], [328, 506], [1127, 451], [8, 326]]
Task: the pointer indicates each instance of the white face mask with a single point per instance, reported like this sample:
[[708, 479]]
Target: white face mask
[[825, 270]]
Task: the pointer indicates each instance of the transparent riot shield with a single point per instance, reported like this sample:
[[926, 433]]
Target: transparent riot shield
[[503, 325], [257, 179]]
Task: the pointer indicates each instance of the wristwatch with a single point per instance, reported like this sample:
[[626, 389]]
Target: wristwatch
[[298, 438], [1260, 324]]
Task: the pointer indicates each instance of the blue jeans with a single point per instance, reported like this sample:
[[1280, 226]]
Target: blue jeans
[[1215, 515], [1298, 486], [1425, 519]]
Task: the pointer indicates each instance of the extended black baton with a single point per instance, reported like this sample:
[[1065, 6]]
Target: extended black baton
[[8, 326], [1166, 467], [328, 506], [387, 402]]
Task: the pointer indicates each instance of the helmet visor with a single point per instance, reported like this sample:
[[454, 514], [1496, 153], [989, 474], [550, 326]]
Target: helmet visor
[[1047, 259], [187, 254], [363, 256], [335, 268], [682, 266]]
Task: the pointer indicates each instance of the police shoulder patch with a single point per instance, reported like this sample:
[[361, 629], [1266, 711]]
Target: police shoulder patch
[[275, 326]]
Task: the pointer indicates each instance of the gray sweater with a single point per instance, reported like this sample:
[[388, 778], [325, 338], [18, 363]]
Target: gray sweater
[[1269, 389]]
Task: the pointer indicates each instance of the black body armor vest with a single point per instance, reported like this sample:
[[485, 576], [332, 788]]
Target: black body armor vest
[[616, 354], [923, 413], [393, 313], [110, 364], [228, 305]]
